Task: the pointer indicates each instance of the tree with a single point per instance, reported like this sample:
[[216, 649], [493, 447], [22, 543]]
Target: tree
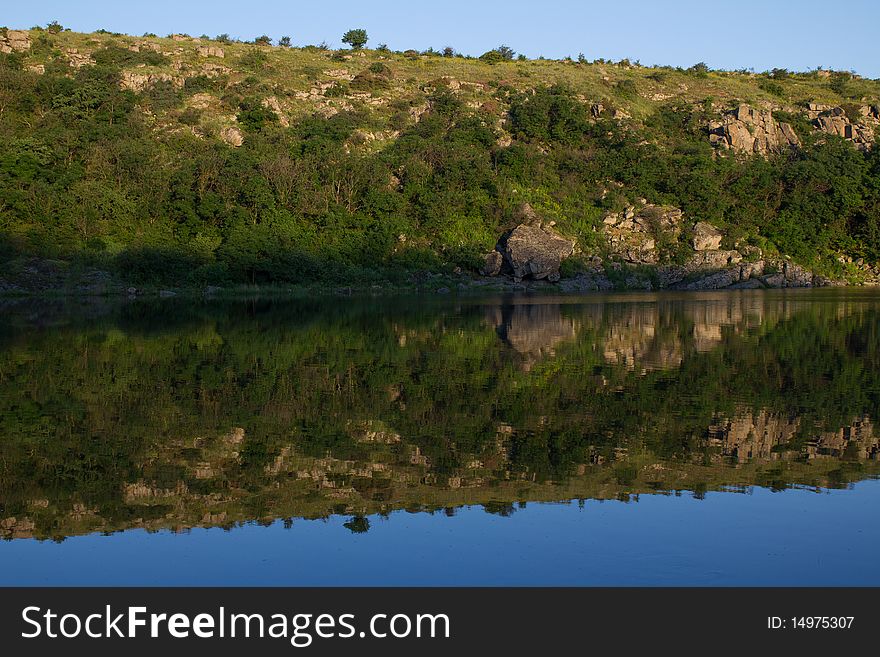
[[357, 39], [506, 52], [264, 40], [284, 42], [449, 51], [54, 27]]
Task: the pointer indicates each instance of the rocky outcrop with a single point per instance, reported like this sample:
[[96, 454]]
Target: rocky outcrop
[[834, 121], [210, 51], [140, 81], [748, 130], [751, 275], [271, 103], [632, 235], [530, 250], [15, 41]]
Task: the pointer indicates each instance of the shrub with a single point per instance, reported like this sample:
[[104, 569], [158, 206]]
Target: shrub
[[500, 54], [626, 88], [284, 42], [190, 116], [380, 69], [253, 116], [114, 56], [700, 70], [772, 87], [254, 59], [550, 114]]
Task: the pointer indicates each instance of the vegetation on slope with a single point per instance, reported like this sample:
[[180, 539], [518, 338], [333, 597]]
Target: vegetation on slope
[[182, 161]]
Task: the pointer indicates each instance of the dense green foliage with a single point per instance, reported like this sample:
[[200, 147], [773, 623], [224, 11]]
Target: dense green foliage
[[87, 176], [357, 39]]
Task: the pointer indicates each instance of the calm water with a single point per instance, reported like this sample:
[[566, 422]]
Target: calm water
[[659, 439]]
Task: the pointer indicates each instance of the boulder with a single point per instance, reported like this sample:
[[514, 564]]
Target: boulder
[[232, 136], [492, 263], [532, 251], [706, 237], [834, 121]]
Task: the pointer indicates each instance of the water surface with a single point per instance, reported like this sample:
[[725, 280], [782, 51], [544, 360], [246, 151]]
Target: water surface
[[700, 439]]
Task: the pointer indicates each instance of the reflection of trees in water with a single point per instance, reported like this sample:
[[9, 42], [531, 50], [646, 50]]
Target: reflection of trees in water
[[301, 410]]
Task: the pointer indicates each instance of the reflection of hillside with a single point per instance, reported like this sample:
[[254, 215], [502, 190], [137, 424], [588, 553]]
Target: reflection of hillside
[[751, 449], [226, 414]]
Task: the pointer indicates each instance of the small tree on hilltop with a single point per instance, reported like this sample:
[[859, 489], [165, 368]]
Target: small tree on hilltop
[[284, 42], [264, 40], [506, 52], [357, 39], [700, 69]]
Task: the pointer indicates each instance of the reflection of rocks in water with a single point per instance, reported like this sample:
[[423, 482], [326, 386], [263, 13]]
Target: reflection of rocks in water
[[532, 330], [761, 435], [711, 317], [751, 435], [359, 413], [642, 337], [856, 441], [399, 475]]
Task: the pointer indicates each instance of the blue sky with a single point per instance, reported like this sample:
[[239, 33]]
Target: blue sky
[[758, 34]]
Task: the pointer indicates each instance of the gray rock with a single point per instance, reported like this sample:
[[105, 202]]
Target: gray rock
[[531, 251], [492, 263], [714, 259], [748, 284], [716, 281], [706, 237]]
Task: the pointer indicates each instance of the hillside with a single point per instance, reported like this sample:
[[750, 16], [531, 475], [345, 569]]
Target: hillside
[[188, 162]]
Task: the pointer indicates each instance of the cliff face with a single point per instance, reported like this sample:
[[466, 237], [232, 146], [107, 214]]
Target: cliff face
[[254, 163]]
